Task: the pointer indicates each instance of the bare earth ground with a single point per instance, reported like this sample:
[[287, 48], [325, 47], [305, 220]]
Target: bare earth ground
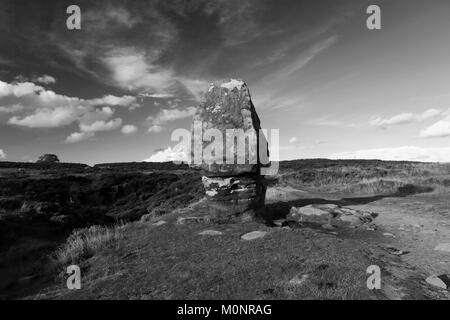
[[172, 261]]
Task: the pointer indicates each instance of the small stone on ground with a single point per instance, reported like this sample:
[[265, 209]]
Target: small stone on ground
[[159, 223], [388, 234], [253, 235], [210, 233], [437, 281]]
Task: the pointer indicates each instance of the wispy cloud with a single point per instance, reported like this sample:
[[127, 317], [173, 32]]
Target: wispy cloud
[[330, 121], [167, 115], [306, 56], [438, 129], [404, 118]]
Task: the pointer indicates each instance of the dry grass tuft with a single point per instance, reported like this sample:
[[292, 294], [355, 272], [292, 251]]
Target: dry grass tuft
[[84, 243]]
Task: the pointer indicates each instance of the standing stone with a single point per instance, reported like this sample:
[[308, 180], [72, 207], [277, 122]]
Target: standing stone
[[228, 156]]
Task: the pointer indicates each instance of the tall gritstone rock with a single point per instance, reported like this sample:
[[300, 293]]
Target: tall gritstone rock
[[229, 150]]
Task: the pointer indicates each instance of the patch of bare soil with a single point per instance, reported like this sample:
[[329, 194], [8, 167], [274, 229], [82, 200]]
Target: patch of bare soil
[[418, 224]]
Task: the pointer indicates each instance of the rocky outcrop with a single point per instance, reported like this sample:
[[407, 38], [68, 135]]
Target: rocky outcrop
[[48, 158], [231, 178]]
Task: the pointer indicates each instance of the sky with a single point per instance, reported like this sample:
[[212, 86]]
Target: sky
[[115, 90]]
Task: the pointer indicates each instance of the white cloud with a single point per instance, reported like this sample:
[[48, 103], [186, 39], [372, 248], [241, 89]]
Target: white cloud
[[405, 118], [42, 108], [168, 154], [157, 95], [79, 136], [88, 130], [101, 125], [407, 153], [45, 79], [19, 89], [293, 139], [167, 115], [114, 101], [129, 129], [2, 154], [137, 70], [47, 118], [134, 70], [438, 129]]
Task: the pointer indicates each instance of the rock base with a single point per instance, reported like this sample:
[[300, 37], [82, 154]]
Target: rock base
[[242, 195]]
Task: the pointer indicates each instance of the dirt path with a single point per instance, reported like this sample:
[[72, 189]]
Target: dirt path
[[415, 223], [419, 223]]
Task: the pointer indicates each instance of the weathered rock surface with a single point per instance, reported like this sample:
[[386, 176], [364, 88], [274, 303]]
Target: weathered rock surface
[[310, 214], [231, 172], [326, 213], [228, 106], [442, 281]]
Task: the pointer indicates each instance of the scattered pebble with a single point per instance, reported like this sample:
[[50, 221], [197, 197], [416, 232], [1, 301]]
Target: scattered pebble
[[253, 235], [159, 223], [388, 234], [210, 233]]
